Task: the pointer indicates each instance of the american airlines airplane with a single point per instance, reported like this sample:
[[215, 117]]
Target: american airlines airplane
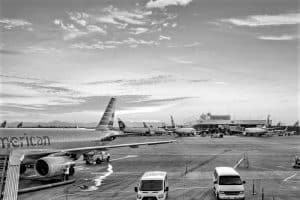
[[184, 131], [50, 150], [134, 130]]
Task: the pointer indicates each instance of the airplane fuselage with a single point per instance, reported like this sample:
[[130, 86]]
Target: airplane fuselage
[[50, 138]]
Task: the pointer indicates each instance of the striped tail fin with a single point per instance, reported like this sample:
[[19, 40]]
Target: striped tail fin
[[108, 116], [172, 122], [145, 125]]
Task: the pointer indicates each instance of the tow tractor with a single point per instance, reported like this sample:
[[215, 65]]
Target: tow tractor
[[297, 162], [97, 157]]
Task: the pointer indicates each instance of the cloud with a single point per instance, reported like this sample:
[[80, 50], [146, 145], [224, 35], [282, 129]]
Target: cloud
[[71, 31], [164, 3], [143, 81], [79, 18], [97, 45], [43, 50], [95, 29], [194, 44], [10, 52], [161, 37], [14, 23], [266, 20], [116, 16], [131, 42], [139, 30], [281, 37], [199, 80], [180, 61]]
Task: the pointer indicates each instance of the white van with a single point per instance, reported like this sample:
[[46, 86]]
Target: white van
[[228, 184], [153, 185]]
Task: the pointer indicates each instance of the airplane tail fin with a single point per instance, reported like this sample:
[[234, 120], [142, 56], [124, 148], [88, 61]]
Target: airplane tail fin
[[172, 122], [122, 125], [20, 125], [108, 116], [268, 122], [145, 125], [3, 125]]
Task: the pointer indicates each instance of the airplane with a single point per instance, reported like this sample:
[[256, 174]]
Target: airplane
[[134, 130], [51, 150], [3, 125], [183, 131], [20, 125], [259, 131], [157, 131]]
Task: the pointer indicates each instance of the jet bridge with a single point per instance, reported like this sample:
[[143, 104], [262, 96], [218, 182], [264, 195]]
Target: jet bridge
[[10, 172]]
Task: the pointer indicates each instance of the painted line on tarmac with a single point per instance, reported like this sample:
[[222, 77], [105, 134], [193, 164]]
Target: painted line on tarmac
[[262, 168], [190, 188], [290, 177], [125, 157]]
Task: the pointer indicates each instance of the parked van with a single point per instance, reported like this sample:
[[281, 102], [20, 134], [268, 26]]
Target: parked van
[[153, 185], [228, 184]]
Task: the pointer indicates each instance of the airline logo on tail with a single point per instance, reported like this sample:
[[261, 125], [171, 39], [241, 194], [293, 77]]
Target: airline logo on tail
[[122, 125], [108, 116]]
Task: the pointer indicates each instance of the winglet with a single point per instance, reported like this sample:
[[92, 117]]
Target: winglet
[[108, 116]]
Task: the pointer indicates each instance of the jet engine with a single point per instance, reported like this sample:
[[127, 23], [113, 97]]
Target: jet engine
[[54, 166]]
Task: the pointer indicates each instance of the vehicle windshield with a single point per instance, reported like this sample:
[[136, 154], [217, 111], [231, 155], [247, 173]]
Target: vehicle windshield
[[151, 185], [230, 180]]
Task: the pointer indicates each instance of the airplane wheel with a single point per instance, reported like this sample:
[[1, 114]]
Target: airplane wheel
[[98, 161], [87, 162], [22, 169], [71, 171]]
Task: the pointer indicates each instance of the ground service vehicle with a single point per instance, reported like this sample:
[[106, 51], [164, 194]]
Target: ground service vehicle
[[228, 184], [153, 185], [96, 157]]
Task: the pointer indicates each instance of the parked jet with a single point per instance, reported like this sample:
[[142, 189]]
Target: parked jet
[[260, 131], [157, 131], [20, 125], [50, 150], [134, 130], [3, 125], [183, 131]]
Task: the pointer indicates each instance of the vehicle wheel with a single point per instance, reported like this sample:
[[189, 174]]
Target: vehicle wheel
[[98, 161], [87, 162], [71, 171]]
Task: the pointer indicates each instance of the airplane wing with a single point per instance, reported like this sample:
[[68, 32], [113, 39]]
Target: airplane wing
[[105, 147], [38, 153]]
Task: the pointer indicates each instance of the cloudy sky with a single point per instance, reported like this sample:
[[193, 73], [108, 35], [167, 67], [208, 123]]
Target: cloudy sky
[[63, 59]]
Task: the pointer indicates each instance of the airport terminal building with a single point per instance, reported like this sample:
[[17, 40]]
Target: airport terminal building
[[209, 121]]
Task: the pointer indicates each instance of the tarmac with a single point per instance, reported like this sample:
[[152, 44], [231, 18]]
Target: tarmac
[[189, 163]]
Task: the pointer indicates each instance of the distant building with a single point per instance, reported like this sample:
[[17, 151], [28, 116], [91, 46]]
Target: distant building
[[209, 116], [216, 121]]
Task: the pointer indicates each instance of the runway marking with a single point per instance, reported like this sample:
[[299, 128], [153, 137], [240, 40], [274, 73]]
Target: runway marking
[[281, 167], [288, 178], [262, 168], [190, 188], [98, 180], [125, 157]]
